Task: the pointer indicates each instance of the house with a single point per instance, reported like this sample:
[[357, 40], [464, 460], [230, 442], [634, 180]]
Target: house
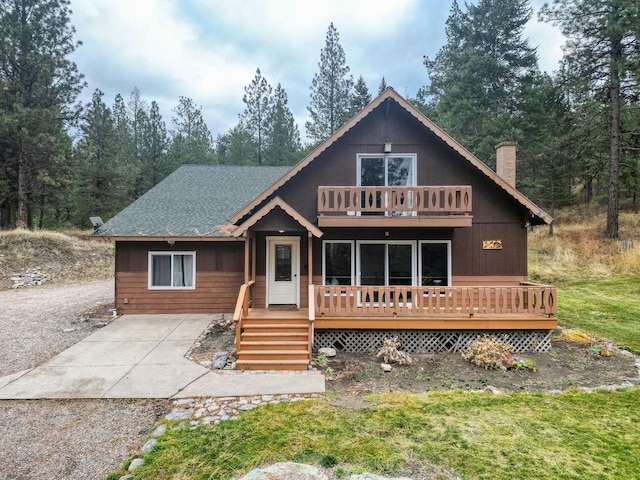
[[389, 227]]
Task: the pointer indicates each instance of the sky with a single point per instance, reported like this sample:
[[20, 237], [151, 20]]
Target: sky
[[209, 50]]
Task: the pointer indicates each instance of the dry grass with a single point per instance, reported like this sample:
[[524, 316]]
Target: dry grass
[[578, 249], [65, 258]]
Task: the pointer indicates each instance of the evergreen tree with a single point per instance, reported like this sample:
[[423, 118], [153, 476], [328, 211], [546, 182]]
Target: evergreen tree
[[255, 118], [382, 87], [283, 147], [360, 97], [191, 142], [102, 175], [601, 61], [237, 147], [154, 160], [477, 80], [39, 87], [330, 90]]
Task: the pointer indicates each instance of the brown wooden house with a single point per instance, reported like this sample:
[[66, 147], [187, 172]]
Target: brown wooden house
[[389, 227]]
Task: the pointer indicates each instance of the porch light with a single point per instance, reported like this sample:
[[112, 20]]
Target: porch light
[[280, 232], [387, 146]]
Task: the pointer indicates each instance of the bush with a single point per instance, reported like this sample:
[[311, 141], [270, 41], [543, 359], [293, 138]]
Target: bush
[[489, 353], [390, 352]]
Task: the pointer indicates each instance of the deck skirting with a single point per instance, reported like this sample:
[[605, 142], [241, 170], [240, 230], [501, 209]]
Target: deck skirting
[[429, 341]]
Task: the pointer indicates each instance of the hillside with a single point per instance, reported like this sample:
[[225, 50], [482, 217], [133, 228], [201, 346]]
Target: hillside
[[63, 258]]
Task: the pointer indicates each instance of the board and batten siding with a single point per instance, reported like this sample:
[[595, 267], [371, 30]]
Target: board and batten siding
[[219, 275]]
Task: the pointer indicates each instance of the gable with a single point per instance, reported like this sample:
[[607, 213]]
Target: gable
[[376, 121]]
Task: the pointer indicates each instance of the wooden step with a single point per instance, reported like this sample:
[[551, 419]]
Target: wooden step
[[282, 321], [272, 364], [273, 345], [273, 355], [275, 327], [275, 336]]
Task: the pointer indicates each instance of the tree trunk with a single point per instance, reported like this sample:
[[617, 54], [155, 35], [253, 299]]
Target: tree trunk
[[21, 220], [614, 153]]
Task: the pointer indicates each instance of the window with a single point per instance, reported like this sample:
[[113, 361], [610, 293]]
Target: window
[[337, 263], [172, 270], [386, 263], [435, 263], [385, 171]]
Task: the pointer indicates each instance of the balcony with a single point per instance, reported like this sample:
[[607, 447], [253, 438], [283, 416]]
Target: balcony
[[428, 206]]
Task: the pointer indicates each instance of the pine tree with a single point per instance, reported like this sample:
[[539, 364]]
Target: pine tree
[[601, 62], [283, 147], [154, 160], [258, 102], [382, 87], [102, 175], [477, 79], [191, 142], [39, 87], [360, 97], [330, 90], [237, 147]]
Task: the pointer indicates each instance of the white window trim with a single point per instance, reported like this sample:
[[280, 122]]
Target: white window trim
[[448, 243], [386, 258], [324, 260], [171, 254]]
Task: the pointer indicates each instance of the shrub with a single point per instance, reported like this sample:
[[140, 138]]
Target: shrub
[[390, 352], [489, 353]]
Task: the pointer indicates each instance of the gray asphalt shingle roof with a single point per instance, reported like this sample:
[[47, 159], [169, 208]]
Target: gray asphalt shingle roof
[[194, 201]]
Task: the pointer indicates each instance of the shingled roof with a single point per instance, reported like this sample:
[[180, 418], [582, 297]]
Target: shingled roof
[[194, 201]]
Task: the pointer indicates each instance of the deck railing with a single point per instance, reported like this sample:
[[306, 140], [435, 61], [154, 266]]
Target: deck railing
[[242, 308], [420, 200], [381, 301]]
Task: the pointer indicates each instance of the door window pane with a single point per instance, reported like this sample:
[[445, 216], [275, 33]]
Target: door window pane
[[372, 264], [434, 264], [338, 261], [372, 172], [400, 264], [283, 263], [400, 172]]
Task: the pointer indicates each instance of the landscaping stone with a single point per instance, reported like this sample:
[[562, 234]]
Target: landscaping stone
[[286, 471], [159, 430], [148, 446], [135, 463], [386, 367], [327, 352], [219, 360]]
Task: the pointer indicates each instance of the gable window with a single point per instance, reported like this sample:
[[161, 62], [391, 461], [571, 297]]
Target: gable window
[[337, 262], [435, 263], [169, 270], [385, 171]]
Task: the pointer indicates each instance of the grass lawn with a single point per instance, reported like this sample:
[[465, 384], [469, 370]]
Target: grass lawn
[[606, 307], [436, 435]]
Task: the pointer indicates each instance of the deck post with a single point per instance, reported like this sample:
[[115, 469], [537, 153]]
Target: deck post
[[310, 257], [247, 242]]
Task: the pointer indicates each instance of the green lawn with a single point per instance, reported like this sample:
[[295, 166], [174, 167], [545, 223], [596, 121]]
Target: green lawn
[[574, 435], [608, 308]]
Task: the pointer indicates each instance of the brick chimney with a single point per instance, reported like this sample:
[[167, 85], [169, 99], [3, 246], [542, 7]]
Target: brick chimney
[[506, 162]]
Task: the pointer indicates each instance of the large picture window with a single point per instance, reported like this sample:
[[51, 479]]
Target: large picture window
[[169, 270], [337, 267]]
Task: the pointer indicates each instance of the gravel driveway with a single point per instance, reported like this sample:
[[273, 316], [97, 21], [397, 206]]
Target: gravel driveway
[[70, 439]]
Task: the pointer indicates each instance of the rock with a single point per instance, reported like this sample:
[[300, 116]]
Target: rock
[[148, 446], [327, 352], [286, 471], [219, 360], [135, 463], [492, 389], [127, 477], [179, 414], [159, 430], [555, 392], [247, 407], [386, 367]]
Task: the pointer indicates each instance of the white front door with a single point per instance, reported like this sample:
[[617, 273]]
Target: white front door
[[283, 271]]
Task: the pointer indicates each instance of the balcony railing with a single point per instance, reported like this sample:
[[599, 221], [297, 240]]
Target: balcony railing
[[383, 301], [392, 201]]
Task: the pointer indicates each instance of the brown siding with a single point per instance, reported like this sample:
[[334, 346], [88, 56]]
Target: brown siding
[[219, 275]]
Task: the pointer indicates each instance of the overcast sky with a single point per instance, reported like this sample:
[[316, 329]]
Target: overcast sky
[[209, 50]]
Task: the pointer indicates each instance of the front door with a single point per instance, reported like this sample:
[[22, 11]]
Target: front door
[[283, 271]]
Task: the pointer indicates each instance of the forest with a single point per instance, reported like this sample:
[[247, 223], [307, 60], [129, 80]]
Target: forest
[[578, 130]]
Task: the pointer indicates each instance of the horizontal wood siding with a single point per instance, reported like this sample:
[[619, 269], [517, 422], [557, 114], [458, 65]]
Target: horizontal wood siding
[[219, 275], [215, 292]]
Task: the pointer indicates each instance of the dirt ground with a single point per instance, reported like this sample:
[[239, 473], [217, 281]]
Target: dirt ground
[[567, 365]]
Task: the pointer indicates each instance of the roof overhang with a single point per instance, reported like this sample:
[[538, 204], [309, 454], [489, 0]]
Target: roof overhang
[[277, 202], [124, 238]]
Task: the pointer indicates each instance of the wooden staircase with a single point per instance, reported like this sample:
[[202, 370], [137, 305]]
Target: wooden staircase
[[273, 340]]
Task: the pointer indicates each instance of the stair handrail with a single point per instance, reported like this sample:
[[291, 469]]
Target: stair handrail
[[312, 317], [242, 309]]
